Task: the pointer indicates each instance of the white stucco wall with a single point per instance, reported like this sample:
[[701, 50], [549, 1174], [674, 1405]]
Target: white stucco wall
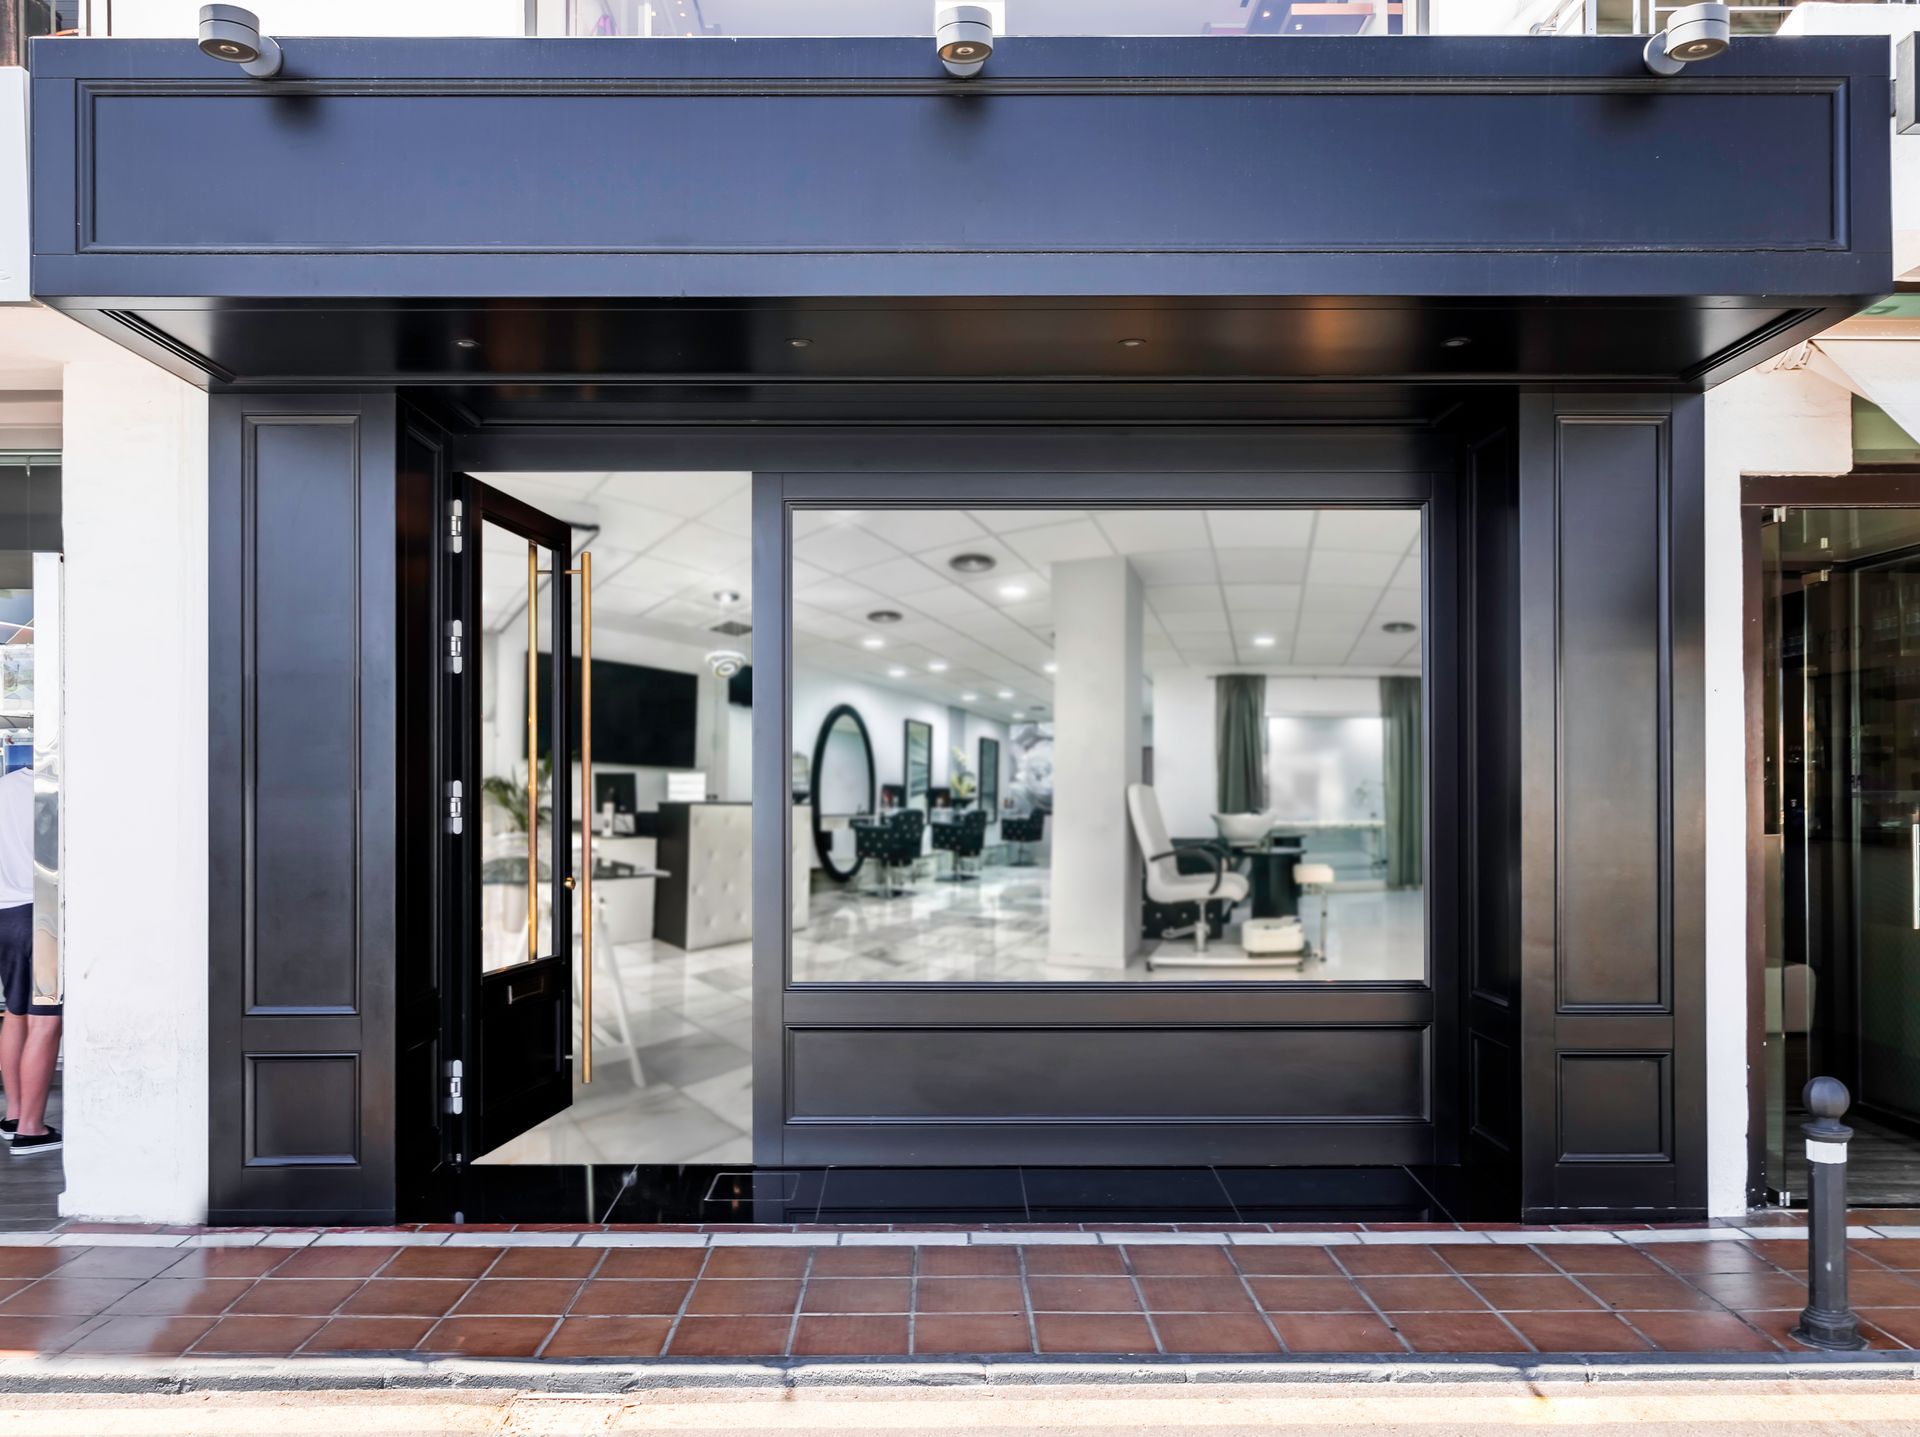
[[135, 509], [1774, 421]]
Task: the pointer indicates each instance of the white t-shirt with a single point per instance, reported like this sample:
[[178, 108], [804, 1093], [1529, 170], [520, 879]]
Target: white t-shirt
[[16, 838]]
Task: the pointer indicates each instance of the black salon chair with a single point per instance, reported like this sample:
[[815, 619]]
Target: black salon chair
[[891, 843], [1023, 833], [964, 838]]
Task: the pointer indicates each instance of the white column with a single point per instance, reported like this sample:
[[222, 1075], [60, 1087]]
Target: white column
[[1097, 738], [134, 499]]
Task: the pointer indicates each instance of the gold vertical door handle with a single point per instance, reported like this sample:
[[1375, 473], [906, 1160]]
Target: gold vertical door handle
[[586, 815], [533, 761]]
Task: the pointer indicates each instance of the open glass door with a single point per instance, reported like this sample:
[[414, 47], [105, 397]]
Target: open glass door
[[1841, 605], [526, 871]]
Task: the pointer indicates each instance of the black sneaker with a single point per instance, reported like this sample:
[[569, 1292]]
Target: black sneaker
[[38, 1143], [8, 1127]]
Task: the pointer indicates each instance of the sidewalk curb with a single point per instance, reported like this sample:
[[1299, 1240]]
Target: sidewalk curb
[[58, 1376]]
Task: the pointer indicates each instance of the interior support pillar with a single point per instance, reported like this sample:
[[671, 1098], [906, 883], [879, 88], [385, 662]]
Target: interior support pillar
[[1612, 807], [1098, 731]]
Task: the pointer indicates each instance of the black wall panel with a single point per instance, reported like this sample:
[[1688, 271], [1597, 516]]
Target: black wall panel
[[1137, 1073], [302, 808], [1612, 933]]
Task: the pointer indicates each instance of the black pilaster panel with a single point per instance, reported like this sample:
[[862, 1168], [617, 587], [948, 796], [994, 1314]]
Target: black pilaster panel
[[302, 582], [1612, 951]]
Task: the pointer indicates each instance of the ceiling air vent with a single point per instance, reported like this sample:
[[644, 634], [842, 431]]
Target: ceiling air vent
[[732, 628]]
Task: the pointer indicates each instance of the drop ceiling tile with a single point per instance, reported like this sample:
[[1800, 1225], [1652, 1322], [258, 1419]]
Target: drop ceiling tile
[[701, 547], [1032, 614], [952, 602], [899, 578], [850, 600], [1210, 654], [1152, 531], [1350, 566], [1185, 599], [1321, 651], [1266, 597], [732, 515], [842, 548], [1378, 649], [685, 493], [999, 589], [1247, 625], [823, 625], [914, 530], [1009, 521], [1341, 599], [936, 557], [1381, 531], [655, 575], [542, 487], [1179, 625], [1260, 528], [1060, 544], [1407, 576], [1183, 566], [1262, 566]]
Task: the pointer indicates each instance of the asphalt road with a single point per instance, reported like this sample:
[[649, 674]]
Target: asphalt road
[[1749, 1408]]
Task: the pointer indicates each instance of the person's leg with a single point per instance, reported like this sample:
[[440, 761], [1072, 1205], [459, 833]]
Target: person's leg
[[16, 991], [13, 1040], [37, 1059]]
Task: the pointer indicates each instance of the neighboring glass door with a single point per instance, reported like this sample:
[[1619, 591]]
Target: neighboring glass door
[[1841, 594], [516, 843]]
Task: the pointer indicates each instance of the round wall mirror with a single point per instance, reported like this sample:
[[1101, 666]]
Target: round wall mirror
[[843, 789]]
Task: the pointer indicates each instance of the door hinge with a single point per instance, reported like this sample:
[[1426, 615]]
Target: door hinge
[[457, 526], [456, 807], [456, 1098], [456, 646]]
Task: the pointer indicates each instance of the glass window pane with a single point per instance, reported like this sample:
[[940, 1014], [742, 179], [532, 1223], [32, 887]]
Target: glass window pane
[[516, 846], [1182, 709], [661, 19]]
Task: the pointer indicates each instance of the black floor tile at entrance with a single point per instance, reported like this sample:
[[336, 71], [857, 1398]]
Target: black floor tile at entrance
[[860, 1195], [1125, 1194], [1389, 1194]]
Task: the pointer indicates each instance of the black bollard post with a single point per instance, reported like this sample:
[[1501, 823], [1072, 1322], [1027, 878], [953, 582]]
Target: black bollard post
[[1828, 1322]]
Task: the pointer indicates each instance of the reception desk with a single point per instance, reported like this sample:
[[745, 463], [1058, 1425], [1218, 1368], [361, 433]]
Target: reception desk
[[706, 897]]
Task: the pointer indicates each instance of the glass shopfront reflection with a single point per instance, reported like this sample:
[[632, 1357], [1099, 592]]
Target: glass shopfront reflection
[[1112, 744]]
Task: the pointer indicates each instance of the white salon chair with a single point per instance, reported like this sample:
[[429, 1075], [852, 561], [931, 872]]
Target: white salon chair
[[1316, 879], [1167, 884]]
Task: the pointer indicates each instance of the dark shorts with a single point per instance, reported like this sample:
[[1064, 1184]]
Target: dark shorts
[[16, 962]]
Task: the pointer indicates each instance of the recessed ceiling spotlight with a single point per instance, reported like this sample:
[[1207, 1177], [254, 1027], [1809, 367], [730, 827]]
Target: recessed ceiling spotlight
[[1013, 591], [896, 672], [872, 642], [971, 563], [1263, 641], [1132, 343], [1051, 667], [798, 343], [1455, 341], [968, 698], [726, 598], [884, 616], [938, 666], [1006, 693], [466, 343], [1396, 626]]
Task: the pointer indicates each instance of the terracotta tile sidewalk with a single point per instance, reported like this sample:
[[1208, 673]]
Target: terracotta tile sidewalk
[[364, 1294]]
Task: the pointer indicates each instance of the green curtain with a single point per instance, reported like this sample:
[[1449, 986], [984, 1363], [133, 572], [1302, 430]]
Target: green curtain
[[1240, 741], [1405, 842]]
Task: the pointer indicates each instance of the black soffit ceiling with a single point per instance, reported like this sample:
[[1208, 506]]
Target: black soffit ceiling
[[514, 348]]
